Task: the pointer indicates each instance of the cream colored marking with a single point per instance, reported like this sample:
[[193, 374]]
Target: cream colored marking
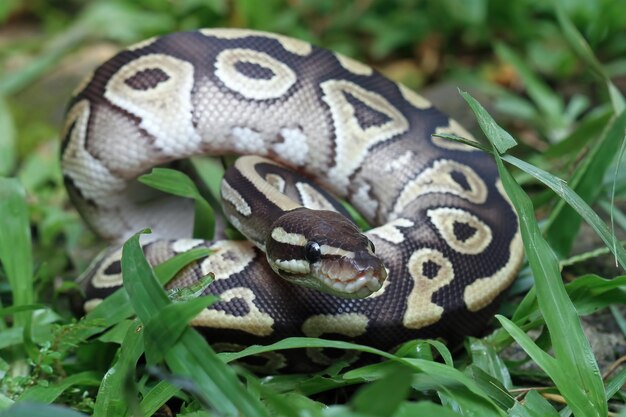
[[483, 291], [296, 266], [246, 165], [91, 304], [294, 147], [352, 141], [391, 231], [295, 46], [456, 129], [312, 198], [331, 250], [281, 235], [347, 324], [276, 181], [438, 179], [353, 66], [275, 360], [421, 311], [89, 174], [444, 218], [255, 322], [102, 280], [247, 140], [166, 110], [183, 245], [142, 44], [232, 196], [415, 99], [253, 88], [228, 258], [400, 163]]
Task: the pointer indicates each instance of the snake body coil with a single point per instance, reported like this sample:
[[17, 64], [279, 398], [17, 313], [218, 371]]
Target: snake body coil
[[446, 232]]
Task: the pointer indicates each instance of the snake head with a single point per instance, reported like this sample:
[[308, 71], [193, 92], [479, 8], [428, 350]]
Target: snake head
[[325, 251]]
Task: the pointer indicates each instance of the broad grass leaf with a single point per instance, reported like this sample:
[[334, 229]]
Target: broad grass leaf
[[393, 388], [177, 183], [216, 384], [534, 405], [32, 410], [574, 371], [41, 394]]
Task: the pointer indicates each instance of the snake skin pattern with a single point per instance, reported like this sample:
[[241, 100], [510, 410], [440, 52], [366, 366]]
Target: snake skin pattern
[[445, 230]]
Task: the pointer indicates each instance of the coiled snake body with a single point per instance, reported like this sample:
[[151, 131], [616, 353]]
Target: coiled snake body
[[445, 231]]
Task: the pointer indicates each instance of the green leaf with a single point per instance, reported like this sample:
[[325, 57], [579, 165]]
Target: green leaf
[[424, 408], [40, 394], [157, 396], [191, 356], [111, 399], [31, 410], [393, 387], [15, 245], [7, 139], [534, 405], [561, 188], [502, 140], [485, 356], [176, 183], [166, 327], [574, 371], [564, 222]]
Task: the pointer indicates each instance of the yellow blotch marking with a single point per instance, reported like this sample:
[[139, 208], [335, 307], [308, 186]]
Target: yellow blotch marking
[[421, 311], [255, 322]]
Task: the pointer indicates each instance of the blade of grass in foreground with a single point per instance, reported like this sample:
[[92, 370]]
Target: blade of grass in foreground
[[15, 245], [573, 369], [191, 356]]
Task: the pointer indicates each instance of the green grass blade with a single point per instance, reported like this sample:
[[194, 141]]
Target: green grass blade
[[177, 183], [111, 395], [156, 397], [47, 395], [424, 408], [15, 245], [191, 356], [166, 327], [502, 140], [36, 410], [574, 371], [564, 222], [534, 405], [393, 387], [7, 139], [561, 188]]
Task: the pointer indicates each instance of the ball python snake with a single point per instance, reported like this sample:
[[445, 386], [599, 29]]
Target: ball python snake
[[443, 226]]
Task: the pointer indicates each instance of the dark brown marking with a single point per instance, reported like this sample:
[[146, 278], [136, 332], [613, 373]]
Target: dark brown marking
[[147, 79], [430, 269], [463, 231]]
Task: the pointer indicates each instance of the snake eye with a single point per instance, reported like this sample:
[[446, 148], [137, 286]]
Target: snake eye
[[372, 247], [312, 252]]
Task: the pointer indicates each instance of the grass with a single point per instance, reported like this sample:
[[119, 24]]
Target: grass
[[134, 353]]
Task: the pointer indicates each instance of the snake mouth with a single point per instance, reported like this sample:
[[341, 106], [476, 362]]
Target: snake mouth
[[359, 285]]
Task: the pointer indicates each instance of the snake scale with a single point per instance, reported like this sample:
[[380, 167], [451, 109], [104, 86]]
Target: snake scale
[[443, 226]]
